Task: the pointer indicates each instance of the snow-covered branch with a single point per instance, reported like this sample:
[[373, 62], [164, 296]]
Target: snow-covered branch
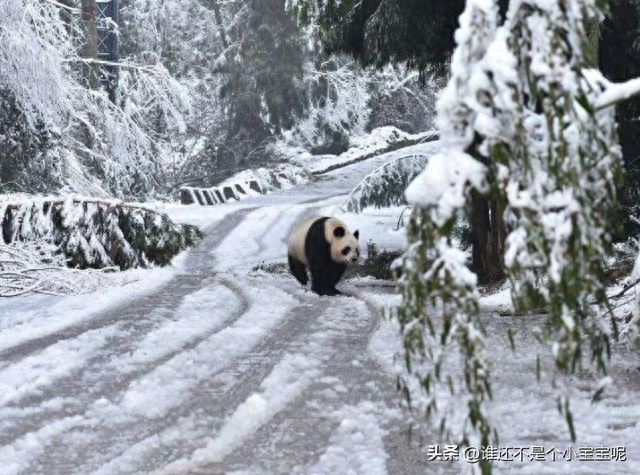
[[40, 76], [385, 185], [30, 268], [534, 167], [618, 92], [339, 96]]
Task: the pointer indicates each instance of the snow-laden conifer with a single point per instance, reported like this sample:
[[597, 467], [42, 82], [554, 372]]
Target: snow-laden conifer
[[95, 234], [385, 186]]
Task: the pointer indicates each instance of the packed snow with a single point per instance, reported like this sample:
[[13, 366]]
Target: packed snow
[[212, 366]]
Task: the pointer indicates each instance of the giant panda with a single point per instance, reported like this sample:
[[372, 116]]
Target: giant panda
[[326, 247]]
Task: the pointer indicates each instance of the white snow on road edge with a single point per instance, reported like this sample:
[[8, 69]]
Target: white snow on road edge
[[20, 323], [357, 446]]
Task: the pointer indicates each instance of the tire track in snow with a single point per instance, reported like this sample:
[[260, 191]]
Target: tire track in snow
[[199, 262], [276, 350], [291, 375], [268, 223], [231, 383], [97, 379], [297, 436], [105, 377], [15, 458], [157, 402], [34, 372], [332, 332], [308, 435]]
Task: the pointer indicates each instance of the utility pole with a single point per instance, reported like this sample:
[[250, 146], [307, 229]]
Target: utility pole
[[90, 45]]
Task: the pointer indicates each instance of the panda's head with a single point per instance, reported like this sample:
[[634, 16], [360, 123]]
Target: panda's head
[[343, 243]]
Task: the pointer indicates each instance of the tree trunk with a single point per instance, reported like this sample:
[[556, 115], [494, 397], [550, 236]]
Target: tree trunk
[[498, 236], [66, 13], [218, 16], [487, 238], [90, 46]]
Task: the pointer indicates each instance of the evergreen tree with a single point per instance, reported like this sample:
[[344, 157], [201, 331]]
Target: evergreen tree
[[418, 33], [25, 163], [263, 88], [93, 233]]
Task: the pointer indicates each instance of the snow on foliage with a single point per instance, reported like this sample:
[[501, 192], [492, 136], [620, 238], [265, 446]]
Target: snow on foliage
[[520, 124], [95, 233], [379, 141], [40, 69], [339, 95], [384, 186]]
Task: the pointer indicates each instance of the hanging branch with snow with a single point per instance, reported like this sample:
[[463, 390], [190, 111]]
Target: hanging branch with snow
[[522, 123], [385, 186], [435, 275], [39, 71]]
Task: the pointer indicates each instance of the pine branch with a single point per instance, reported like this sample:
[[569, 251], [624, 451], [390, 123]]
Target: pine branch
[[97, 233]]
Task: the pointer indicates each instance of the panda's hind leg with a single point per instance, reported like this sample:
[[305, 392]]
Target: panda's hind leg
[[298, 269]]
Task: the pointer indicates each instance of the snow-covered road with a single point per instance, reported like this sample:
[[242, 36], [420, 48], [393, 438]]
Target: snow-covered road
[[212, 368]]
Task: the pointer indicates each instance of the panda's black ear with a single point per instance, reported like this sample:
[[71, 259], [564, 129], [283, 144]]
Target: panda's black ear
[[339, 232], [356, 234]]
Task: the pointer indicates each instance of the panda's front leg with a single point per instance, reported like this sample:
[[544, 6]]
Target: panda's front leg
[[325, 277], [336, 271], [321, 280]]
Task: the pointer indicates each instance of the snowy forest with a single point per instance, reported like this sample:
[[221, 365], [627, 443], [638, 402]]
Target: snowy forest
[[489, 150], [203, 90]]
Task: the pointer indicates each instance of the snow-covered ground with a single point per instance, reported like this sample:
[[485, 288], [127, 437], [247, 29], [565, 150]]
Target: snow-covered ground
[[212, 367], [365, 146]]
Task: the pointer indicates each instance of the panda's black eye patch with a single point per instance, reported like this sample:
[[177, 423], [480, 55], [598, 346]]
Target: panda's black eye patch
[[338, 232], [346, 251]]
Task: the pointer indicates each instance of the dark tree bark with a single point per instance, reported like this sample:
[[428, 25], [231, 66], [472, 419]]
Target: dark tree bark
[[619, 60], [487, 238], [90, 45], [218, 16]]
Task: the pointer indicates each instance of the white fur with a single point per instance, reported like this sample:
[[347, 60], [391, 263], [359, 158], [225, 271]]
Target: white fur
[[337, 244], [298, 237]]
